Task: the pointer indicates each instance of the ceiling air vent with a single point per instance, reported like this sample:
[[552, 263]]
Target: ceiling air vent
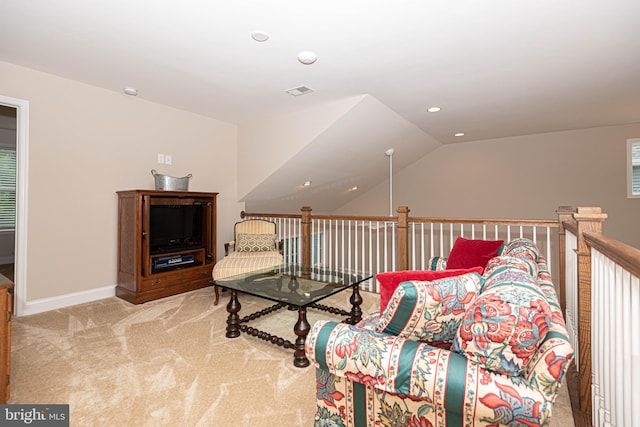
[[300, 90]]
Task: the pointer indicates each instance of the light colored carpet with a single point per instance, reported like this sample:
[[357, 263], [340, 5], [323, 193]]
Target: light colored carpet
[[167, 362]]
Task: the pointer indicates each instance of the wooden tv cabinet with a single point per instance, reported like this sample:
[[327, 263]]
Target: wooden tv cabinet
[[138, 280]]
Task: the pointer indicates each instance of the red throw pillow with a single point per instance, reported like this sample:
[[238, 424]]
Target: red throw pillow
[[468, 253], [389, 281]]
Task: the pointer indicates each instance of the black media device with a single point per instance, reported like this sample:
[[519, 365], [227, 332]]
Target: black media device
[[175, 227], [170, 262]]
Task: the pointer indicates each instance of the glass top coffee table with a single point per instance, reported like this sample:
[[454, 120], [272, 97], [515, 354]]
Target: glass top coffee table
[[296, 287]]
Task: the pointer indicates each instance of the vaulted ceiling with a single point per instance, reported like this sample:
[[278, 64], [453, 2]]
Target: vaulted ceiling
[[495, 68]]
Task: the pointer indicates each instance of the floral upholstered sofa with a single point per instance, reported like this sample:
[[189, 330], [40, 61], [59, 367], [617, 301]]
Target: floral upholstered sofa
[[470, 349]]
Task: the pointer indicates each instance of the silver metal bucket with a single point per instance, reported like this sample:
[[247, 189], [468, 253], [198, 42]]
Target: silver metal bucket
[[166, 182]]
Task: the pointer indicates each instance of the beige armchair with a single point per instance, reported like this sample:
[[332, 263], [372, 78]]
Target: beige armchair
[[255, 246]]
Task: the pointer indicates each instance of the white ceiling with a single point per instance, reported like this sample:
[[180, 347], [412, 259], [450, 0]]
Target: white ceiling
[[496, 68]]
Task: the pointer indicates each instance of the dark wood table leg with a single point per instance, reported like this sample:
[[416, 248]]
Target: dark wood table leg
[[233, 321], [356, 311], [301, 330], [217, 291]]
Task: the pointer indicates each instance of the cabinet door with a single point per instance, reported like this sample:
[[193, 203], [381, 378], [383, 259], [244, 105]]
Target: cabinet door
[[210, 231], [145, 262]]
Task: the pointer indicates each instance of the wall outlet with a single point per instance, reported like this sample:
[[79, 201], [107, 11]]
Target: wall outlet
[[161, 159], [167, 159]]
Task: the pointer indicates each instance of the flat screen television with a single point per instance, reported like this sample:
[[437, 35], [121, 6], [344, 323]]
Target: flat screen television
[[175, 227]]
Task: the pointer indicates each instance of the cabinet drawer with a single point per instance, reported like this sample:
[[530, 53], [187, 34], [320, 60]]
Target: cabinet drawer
[[177, 277]]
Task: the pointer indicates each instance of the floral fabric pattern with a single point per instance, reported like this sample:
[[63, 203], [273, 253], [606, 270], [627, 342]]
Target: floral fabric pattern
[[511, 408], [503, 328], [408, 385], [522, 248], [510, 275], [429, 310], [524, 264], [369, 378]]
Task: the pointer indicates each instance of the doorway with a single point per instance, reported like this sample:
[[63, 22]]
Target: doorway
[[14, 114], [8, 142]]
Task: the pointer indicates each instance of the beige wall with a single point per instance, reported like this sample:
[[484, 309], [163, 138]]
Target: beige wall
[[86, 143], [519, 177]]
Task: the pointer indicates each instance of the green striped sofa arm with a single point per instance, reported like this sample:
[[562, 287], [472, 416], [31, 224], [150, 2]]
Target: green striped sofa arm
[[365, 378]]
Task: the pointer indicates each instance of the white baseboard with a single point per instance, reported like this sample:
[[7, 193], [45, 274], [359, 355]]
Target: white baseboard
[[54, 303]]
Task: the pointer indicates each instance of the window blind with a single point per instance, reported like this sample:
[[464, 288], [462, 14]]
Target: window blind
[[635, 168], [7, 189]]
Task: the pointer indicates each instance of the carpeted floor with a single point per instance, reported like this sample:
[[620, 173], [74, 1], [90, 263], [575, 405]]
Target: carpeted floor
[[167, 362]]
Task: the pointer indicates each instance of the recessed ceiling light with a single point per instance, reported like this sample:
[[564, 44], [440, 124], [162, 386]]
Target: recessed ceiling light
[[259, 36], [300, 90], [458, 134], [434, 109], [307, 57], [306, 184], [354, 188], [131, 91]]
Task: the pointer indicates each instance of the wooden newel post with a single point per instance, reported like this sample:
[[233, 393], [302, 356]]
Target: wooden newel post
[[403, 238], [565, 214], [306, 235], [587, 219]]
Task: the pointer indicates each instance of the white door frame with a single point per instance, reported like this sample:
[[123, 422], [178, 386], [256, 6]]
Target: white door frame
[[22, 154]]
